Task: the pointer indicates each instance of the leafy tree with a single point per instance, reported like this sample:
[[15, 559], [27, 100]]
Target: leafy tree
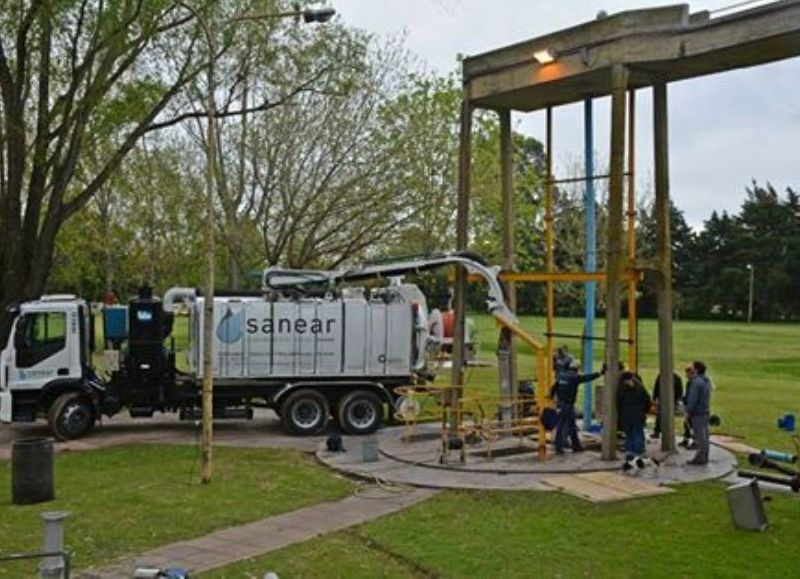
[[421, 126], [150, 236], [82, 76], [684, 274]]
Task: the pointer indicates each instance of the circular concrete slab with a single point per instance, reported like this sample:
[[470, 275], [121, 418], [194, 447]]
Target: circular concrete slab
[[513, 465]]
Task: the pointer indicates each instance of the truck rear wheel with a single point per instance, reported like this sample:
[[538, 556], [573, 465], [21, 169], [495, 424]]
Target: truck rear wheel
[[305, 412], [71, 416], [360, 412]]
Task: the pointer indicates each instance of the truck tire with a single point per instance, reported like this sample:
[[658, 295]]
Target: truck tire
[[71, 416], [360, 412], [305, 412]]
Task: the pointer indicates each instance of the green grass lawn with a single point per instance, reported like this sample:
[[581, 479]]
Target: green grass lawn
[[134, 498], [529, 534], [756, 372]]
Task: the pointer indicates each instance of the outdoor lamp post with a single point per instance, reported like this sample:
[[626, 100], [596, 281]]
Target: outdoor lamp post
[[751, 271], [309, 15]]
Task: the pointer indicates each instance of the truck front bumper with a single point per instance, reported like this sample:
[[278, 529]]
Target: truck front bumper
[[5, 406]]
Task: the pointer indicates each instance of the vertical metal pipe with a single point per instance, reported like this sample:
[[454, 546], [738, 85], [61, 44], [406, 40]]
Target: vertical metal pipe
[[549, 234], [507, 197], [462, 220], [52, 542], [664, 258], [614, 258], [633, 345], [591, 259]]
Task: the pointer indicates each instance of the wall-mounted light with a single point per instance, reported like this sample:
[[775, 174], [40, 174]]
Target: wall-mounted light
[[545, 56]]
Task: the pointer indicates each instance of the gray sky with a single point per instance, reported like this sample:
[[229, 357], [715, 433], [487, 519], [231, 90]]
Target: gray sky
[[725, 130]]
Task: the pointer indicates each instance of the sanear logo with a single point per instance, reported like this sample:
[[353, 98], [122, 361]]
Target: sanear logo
[[231, 327]]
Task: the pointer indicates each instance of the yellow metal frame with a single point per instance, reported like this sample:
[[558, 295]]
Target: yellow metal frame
[[471, 418], [631, 275]]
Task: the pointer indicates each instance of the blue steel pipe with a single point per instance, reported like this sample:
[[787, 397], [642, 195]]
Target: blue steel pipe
[[591, 260]]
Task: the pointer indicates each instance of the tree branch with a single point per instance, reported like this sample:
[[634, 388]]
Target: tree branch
[[144, 126], [264, 106]]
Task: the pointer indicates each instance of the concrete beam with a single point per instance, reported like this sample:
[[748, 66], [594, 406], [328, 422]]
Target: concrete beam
[[656, 45]]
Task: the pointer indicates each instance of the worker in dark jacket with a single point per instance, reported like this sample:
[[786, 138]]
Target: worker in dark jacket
[[561, 360], [677, 385], [565, 390], [698, 407], [633, 402]]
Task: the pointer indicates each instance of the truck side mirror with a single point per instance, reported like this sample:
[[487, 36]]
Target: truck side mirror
[[20, 341]]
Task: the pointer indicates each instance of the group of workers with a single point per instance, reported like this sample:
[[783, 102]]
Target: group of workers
[[633, 405]]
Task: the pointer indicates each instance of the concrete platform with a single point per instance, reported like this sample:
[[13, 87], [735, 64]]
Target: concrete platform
[[417, 463]]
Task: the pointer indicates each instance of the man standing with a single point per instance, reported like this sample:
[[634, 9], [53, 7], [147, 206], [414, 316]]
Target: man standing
[[565, 391], [633, 402], [698, 405]]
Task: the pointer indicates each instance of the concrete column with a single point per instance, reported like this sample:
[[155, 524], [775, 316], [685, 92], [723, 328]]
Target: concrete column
[[462, 220], [666, 364], [614, 258], [507, 197], [549, 236]]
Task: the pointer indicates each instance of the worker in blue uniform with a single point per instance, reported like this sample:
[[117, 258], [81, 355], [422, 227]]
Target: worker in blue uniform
[[565, 390]]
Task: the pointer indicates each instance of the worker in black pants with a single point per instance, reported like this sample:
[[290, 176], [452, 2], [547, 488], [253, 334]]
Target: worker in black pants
[[565, 390], [687, 426], [677, 385]]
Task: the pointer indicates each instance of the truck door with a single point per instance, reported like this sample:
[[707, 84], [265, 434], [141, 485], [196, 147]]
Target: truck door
[[43, 347]]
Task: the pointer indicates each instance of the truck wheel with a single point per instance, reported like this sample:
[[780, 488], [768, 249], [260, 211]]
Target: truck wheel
[[71, 416], [304, 412], [360, 412]]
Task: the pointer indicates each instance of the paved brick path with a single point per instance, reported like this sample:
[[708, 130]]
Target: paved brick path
[[236, 543]]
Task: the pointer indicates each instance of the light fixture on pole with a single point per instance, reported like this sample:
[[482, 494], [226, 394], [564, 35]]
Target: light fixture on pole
[[751, 271], [545, 56], [320, 15]]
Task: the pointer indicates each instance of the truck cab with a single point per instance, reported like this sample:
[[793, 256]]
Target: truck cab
[[47, 359]]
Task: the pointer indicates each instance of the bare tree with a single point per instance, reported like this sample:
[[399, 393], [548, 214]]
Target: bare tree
[[309, 180]]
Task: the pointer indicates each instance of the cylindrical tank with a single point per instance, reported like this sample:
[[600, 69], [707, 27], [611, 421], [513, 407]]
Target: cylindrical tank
[[115, 325], [32, 471]]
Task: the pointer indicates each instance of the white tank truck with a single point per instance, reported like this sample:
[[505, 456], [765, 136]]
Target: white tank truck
[[311, 346]]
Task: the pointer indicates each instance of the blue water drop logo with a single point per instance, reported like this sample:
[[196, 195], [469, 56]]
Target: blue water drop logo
[[231, 327]]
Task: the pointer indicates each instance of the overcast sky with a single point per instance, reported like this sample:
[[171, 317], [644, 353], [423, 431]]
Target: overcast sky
[[725, 130]]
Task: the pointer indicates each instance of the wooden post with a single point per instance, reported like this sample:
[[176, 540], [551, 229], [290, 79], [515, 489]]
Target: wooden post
[[633, 345], [664, 257], [507, 196], [462, 220], [614, 258], [549, 234], [210, 251]]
